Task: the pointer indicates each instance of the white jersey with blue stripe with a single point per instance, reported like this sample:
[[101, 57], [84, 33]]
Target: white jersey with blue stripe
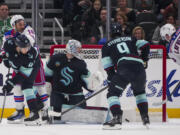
[[174, 47]]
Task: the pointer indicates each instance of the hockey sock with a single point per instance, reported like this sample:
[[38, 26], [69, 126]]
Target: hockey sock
[[142, 104], [18, 97], [114, 105], [31, 99], [43, 95]]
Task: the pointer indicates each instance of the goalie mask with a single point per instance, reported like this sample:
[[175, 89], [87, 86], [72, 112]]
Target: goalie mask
[[15, 19], [167, 31], [73, 47]]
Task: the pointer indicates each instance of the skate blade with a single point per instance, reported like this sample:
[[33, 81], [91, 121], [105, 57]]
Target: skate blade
[[44, 122], [116, 127], [18, 121], [33, 123], [147, 126]]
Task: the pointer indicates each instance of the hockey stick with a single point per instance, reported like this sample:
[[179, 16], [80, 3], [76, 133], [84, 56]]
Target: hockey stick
[[4, 101], [164, 101], [58, 114]]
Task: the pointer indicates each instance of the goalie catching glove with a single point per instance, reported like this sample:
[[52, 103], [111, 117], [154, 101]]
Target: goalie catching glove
[[96, 80]]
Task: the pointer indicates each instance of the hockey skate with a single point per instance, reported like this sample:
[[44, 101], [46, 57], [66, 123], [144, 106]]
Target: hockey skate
[[113, 124], [17, 117], [145, 120], [33, 119], [44, 116], [56, 120]]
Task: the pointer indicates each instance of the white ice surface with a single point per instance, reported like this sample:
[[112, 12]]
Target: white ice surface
[[170, 128]]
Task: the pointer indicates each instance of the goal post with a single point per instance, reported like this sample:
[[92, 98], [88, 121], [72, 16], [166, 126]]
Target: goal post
[[92, 55], [164, 83]]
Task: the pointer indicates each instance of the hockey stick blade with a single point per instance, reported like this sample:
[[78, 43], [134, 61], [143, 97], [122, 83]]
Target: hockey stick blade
[[58, 114], [164, 101], [159, 103]]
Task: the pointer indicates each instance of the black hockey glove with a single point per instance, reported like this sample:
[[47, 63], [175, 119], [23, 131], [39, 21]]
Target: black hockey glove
[[8, 86], [2, 56], [0, 59]]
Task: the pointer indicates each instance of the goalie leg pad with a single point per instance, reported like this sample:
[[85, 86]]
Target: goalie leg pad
[[90, 116]]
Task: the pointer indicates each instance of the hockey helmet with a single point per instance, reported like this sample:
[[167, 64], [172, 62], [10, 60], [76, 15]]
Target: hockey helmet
[[22, 41], [116, 29], [167, 30], [15, 18], [72, 48]]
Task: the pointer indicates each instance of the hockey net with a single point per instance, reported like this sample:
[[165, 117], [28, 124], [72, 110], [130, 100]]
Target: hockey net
[[92, 55]]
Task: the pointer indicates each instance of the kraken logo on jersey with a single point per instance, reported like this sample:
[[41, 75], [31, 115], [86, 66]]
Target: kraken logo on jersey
[[65, 73]]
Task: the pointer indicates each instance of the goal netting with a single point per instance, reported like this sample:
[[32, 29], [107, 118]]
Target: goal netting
[[155, 86]]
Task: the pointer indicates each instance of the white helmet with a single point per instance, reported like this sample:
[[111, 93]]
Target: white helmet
[[72, 48], [167, 30], [16, 18]]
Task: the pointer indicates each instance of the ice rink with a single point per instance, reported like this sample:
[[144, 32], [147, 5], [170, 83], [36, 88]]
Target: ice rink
[[170, 128]]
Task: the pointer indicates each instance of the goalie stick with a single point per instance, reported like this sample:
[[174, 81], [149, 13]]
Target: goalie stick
[[58, 114], [164, 101]]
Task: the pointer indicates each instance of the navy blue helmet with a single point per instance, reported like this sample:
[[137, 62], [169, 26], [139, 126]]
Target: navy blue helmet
[[22, 41], [116, 29]]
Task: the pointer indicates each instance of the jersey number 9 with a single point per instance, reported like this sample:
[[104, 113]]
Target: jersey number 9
[[123, 48]]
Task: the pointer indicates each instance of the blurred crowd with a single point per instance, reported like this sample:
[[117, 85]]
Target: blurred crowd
[[86, 19], [143, 19]]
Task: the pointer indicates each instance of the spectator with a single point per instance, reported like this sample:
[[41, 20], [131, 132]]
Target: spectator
[[144, 5], [93, 14], [89, 17], [99, 29], [172, 8], [78, 29], [160, 5], [4, 21], [129, 12], [126, 27], [139, 33], [156, 38]]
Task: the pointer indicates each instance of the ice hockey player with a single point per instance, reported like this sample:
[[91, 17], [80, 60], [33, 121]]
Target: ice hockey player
[[124, 65], [68, 74], [172, 36], [20, 27], [24, 60]]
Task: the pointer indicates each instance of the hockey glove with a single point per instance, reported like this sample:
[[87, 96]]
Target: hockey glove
[[8, 86], [2, 55], [145, 64]]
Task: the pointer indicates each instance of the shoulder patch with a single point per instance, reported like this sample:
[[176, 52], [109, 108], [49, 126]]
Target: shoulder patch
[[57, 63]]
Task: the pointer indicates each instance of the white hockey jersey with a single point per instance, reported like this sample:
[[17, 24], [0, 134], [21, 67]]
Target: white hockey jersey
[[174, 47], [28, 31], [30, 34]]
